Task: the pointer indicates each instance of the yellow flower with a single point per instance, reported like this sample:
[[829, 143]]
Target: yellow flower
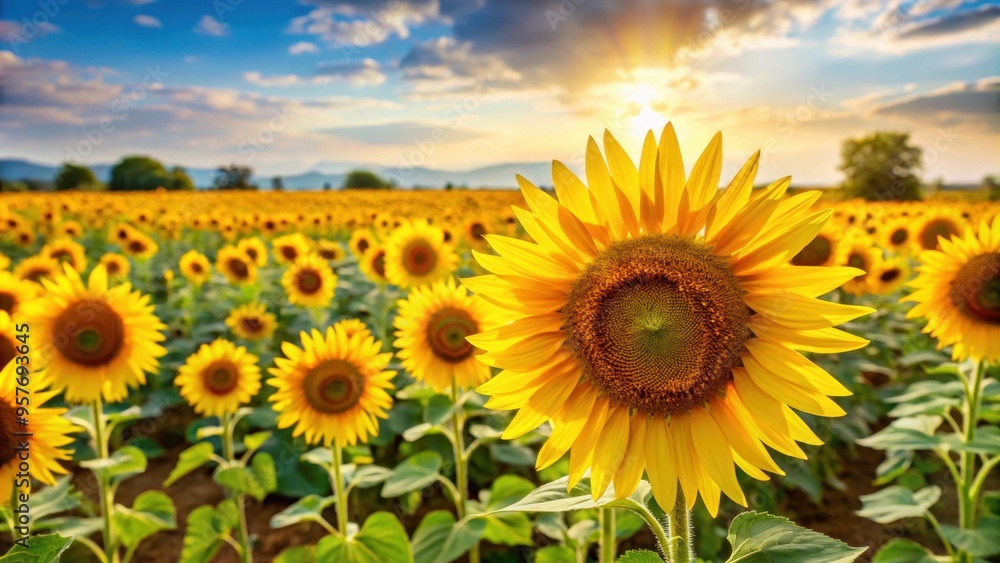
[[330, 250], [37, 268], [66, 251], [897, 236], [957, 289], [361, 240], [656, 320], [433, 324], [940, 223], [416, 255], [889, 275], [821, 251], [235, 265], [255, 249], [309, 282], [860, 253], [218, 378], [195, 267], [252, 322], [289, 248], [48, 434], [372, 264], [334, 388], [8, 339], [14, 292], [353, 326], [92, 339], [117, 265]]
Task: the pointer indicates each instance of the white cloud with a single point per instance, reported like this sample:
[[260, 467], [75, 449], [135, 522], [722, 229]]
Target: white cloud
[[208, 25], [367, 72], [147, 21], [303, 47]]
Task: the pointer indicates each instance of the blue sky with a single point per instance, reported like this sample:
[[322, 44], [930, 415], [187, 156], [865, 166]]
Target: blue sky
[[287, 87]]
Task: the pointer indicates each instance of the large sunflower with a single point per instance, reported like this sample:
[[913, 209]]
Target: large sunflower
[[252, 322], [655, 322], [433, 325], [309, 282], [957, 290], [416, 255], [93, 339], [945, 223], [8, 339], [333, 388], [218, 378], [46, 432]]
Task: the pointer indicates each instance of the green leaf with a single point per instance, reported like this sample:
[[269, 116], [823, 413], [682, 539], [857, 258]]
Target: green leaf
[[439, 409], [761, 537], [929, 405], [206, 528], [257, 480], [507, 529], [208, 432], [256, 440], [322, 457], [53, 500], [416, 472], [484, 432], [381, 538], [983, 541], [894, 503], [911, 433], [640, 556], [439, 539], [903, 551], [135, 412], [121, 465], [307, 509], [151, 512], [552, 497], [43, 548], [555, 554], [987, 441], [370, 475], [298, 554], [513, 454], [189, 460], [70, 526]]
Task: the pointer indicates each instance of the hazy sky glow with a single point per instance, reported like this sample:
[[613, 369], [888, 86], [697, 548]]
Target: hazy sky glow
[[287, 87]]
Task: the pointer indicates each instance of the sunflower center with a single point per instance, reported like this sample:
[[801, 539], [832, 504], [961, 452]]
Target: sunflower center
[[238, 268], [137, 246], [976, 288], [378, 263], [196, 268], [7, 350], [37, 274], [362, 245], [333, 386], [858, 261], [935, 228], [657, 323], [8, 426], [815, 253], [289, 252], [252, 324], [308, 281], [419, 258], [477, 230], [251, 252], [7, 302], [889, 275], [899, 236], [61, 255], [446, 333], [89, 333], [221, 377]]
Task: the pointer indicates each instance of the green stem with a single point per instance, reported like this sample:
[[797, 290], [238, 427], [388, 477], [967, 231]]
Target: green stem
[[970, 414], [679, 528], [104, 488], [338, 487], [229, 428], [606, 516], [657, 527], [461, 462]]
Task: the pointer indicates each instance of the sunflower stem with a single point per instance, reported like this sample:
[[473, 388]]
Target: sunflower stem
[[679, 529], [104, 487], [606, 520], [229, 428], [967, 466], [461, 462], [338, 484]]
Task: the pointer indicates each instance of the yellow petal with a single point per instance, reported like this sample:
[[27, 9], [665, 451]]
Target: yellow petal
[[609, 450], [792, 366], [661, 464], [581, 455], [803, 313], [630, 469], [733, 198], [567, 424], [714, 453]]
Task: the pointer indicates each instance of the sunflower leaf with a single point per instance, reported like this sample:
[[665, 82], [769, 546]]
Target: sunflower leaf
[[903, 551], [370, 475], [207, 528], [640, 556], [121, 465], [381, 538], [417, 472], [895, 503], [256, 440], [189, 460], [307, 509], [152, 511], [982, 541], [758, 536], [553, 497], [440, 539], [43, 548]]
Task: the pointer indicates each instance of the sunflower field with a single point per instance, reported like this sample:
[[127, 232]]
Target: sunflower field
[[632, 366]]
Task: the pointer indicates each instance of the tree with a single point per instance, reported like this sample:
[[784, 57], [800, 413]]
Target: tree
[[277, 184], [75, 177], [139, 173], [13, 186], [180, 179], [992, 186], [882, 166], [365, 179], [234, 177], [327, 186]]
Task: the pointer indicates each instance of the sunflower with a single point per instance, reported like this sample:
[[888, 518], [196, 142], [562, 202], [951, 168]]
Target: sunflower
[[70, 229], [121, 233], [92, 339], [255, 249], [195, 267], [657, 320], [353, 326], [942, 223], [140, 245], [4, 261], [218, 378], [238, 268], [330, 250], [8, 339], [24, 238], [957, 289], [475, 230], [372, 263], [37, 268], [889, 275], [252, 322], [66, 251], [334, 388], [117, 265], [289, 248], [309, 282], [361, 241], [433, 326], [897, 236], [47, 433], [14, 292], [821, 251], [860, 253], [416, 255]]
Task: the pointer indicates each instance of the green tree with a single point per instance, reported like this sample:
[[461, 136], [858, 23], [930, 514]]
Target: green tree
[[882, 166], [179, 180], [234, 177], [139, 173], [75, 177], [13, 186], [365, 179], [992, 186], [277, 184]]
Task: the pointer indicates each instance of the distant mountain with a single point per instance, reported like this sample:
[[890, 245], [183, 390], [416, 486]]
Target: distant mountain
[[495, 176]]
